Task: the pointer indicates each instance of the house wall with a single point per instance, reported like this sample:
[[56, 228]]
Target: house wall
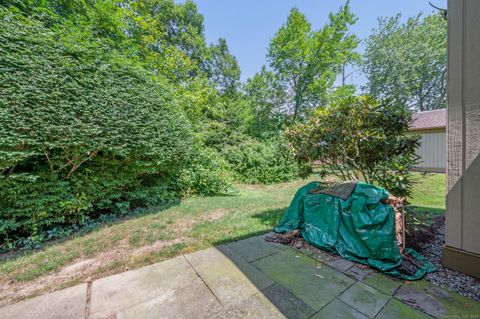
[[432, 151], [462, 246]]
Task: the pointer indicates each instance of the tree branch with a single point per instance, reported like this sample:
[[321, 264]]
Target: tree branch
[[75, 167]]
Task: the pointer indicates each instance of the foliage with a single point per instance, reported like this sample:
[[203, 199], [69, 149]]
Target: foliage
[[179, 25], [261, 162], [83, 132], [107, 106], [358, 138], [227, 124], [266, 95], [205, 173], [224, 69], [168, 37], [100, 105], [408, 62], [307, 62]]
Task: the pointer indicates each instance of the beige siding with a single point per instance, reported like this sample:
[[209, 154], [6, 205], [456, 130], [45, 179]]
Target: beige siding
[[432, 151], [463, 129]]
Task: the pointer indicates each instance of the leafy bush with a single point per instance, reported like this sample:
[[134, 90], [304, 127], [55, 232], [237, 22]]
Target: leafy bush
[[358, 138], [83, 132], [256, 161], [205, 173]]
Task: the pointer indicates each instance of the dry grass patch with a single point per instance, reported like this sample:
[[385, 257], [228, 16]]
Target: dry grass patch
[[119, 247]]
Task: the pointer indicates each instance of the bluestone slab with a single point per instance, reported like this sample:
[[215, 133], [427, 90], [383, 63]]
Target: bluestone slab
[[259, 279], [311, 281], [382, 282], [334, 261], [255, 248], [358, 273], [338, 310], [287, 303], [365, 299], [436, 301], [397, 310]]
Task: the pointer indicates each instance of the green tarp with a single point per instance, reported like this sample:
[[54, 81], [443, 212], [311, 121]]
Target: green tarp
[[359, 228]]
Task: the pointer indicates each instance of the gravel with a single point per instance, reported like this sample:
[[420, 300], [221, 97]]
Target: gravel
[[430, 243]]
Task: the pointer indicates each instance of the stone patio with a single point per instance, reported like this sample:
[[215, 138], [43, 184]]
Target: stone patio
[[250, 278]]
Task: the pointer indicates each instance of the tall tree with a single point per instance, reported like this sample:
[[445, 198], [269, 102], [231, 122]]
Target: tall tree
[[267, 97], [223, 69], [172, 33], [307, 62], [408, 62], [182, 26]]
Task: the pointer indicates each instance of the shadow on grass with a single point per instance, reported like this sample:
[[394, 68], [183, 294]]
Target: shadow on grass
[[423, 210], [94, 225], [269, 217]]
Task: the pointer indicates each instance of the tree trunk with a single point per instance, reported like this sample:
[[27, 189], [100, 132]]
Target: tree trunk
[[296, 109]]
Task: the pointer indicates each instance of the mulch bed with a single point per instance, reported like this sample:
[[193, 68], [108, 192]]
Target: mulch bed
[[429, 241]]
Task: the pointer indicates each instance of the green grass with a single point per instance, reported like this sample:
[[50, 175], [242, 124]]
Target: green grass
[[194, 224], [428, 194]]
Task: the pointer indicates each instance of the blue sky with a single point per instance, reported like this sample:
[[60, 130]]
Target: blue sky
[[248, 25]]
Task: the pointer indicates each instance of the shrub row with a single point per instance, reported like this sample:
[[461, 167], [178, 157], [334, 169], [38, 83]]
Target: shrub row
[[82, 133], [90, 135], [104, 108], [266, 162]]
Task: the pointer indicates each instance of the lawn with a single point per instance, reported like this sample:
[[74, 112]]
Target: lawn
[[193, 224], [428, 194]]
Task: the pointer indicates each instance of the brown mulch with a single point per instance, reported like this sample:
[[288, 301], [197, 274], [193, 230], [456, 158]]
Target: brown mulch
[[293, 239]]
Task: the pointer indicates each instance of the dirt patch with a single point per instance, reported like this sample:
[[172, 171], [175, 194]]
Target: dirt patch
[[81, 270], [216, 214], [102, 263], [252, 186], [156, 246], [418, 235], [293, 239], [78, 267], [184, 225]]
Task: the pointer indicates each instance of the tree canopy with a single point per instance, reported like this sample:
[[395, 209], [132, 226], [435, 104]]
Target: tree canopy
[[408, 61], [306, 62], [223, 68], [358, 138]]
